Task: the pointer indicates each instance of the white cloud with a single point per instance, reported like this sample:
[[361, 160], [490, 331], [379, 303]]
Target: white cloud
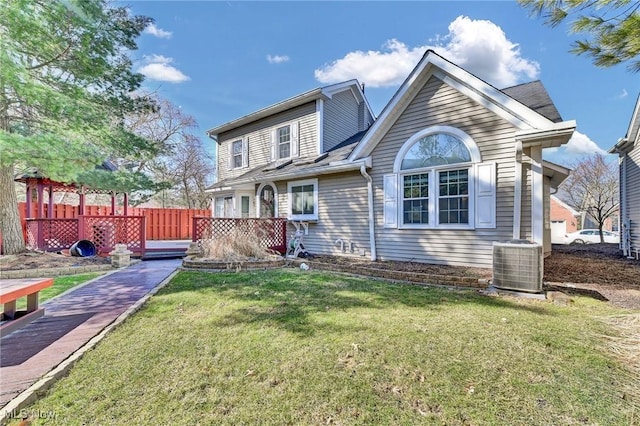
[[622, 94], [158, 68], [581, 144], [478, 46], [277, 59], [157, 32]]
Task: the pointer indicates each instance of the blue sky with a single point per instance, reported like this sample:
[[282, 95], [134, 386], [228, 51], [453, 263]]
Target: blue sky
[[221, 60]]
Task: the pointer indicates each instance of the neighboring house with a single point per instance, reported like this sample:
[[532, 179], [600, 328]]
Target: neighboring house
[[451, 165], [564, 220], [628, 148]]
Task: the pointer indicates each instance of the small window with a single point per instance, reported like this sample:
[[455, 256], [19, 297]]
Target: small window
[[303, 200], [237, 154], [283, 135], [244, 207]]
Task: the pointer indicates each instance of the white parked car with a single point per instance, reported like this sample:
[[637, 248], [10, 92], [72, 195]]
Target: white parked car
[[591, 236]]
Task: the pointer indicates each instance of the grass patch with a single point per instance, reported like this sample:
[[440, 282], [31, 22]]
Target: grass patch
[[60, 285], [292, 347]]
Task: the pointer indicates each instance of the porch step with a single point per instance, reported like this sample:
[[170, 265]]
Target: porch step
[[167, 253]]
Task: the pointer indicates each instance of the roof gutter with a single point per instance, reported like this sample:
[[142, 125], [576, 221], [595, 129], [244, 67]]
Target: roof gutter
[[372, 230], [331, 168], [623, 146], [552, 137]]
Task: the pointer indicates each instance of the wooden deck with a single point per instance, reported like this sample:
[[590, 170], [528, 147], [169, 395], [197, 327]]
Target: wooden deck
[[71, 321]]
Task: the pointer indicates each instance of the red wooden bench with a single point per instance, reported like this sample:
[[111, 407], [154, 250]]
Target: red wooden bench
[[10, 292]]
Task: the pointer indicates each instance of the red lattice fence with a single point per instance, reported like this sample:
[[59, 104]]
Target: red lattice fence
[[273, 232], [51, 234], [103, 231], [107, 231]]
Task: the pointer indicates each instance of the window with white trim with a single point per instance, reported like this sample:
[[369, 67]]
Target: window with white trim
[[267, 201], [284, 141], [303, 200], [439, 181], [426, 169], [238, 154]]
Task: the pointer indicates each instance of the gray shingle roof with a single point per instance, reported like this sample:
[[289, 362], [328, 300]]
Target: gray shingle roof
[[278, 170], [534, 96]]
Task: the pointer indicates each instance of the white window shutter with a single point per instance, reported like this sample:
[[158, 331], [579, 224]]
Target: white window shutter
[[485, 208], [295, 140], [274, 144], [245, 152], [230, 159], [391, 201]]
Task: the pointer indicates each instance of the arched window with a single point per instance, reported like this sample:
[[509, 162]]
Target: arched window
[[434, 181], [267, 201]]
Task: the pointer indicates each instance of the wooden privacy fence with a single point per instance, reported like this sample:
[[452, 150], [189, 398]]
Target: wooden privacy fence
[[161, 224], [272, 233]]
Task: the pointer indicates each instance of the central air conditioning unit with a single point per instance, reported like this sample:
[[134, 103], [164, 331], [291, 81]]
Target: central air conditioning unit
[[517, 265]]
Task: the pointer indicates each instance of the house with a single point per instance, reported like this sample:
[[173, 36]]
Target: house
[[451, 165], [564, 220], [628, 150]]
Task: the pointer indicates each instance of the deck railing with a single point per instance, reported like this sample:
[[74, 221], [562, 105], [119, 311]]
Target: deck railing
[[271, 232], [103, 231]]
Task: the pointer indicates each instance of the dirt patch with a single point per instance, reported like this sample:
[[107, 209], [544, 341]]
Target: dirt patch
[[599, 267], [40, 260]]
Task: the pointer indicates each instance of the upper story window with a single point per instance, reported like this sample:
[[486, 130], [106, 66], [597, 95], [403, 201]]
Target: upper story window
[[284, 143], [239, 154], [440, 182], [283, 135]]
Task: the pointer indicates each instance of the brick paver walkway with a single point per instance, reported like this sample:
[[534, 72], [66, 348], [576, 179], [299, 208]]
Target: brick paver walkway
[[72, 320]]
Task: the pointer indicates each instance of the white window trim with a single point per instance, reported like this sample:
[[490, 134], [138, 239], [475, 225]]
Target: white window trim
[[245, 154], [462, 136], [434, 193], [294, 142], [275, 198], [290, 185], [434, 197]]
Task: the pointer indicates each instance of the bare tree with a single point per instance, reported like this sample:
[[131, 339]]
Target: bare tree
[[190, 169], [162, 127], [592, 187]]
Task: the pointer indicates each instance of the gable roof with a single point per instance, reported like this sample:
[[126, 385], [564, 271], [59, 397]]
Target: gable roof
[[535, 128], [325, 93], [332, 161], [565, 205], [632, 137]]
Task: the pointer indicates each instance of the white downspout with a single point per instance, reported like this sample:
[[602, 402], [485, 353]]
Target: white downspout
[[517, 192], [372, 230]]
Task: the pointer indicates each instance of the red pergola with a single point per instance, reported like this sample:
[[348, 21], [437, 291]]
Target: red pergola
[[47, 233]]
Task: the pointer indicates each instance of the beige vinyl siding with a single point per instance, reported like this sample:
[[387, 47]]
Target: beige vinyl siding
[[340, 119], [342, 213], [439, 104], [259, 136], [632, 205]]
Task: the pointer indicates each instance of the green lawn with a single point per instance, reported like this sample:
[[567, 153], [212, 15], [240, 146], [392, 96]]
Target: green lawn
[[312, 348], [60, 285]]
